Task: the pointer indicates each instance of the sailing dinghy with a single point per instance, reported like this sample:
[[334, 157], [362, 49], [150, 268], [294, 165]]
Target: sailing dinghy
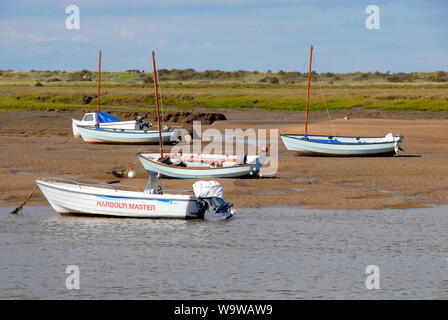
[[311, 145], [324, 145], [94, 198], [196, 166], [190, 166], [112, 132]]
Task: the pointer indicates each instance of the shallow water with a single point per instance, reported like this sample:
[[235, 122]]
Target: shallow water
[[263, 253]]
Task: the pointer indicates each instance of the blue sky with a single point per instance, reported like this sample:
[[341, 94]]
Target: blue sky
[[226, 35]]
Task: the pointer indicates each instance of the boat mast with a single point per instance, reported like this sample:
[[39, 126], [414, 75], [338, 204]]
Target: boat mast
[[98, 103], [157, 102], [308, 93]]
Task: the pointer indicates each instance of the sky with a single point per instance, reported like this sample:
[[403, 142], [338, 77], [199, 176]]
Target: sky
[[225, 35]]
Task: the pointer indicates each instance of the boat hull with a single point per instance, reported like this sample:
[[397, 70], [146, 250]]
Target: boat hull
[[127, 125], [68, 198], [154, 167], [346, 146], [115, 136]]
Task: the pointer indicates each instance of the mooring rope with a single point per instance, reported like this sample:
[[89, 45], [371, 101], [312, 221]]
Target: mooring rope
[[325, 103], [19, 208]]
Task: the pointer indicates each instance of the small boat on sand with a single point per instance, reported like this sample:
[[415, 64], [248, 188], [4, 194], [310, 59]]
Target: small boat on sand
[[197, 166], [333, 146], [313, 145], [194, 166], [90, 197], [123, 136], [106, 121], [101, 128]]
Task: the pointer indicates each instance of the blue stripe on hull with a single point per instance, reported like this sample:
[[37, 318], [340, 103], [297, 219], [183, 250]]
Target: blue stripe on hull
[[130, 198]]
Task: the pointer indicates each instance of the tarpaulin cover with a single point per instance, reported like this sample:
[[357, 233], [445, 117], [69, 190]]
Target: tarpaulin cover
[[207, 189], [105, 117]]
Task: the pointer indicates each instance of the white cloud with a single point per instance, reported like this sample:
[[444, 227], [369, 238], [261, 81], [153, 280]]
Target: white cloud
[[201, 46], [36, 38], [125, 34], [80, 39]]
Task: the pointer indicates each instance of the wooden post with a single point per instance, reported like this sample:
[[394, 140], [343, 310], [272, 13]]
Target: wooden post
[[157, 102], [308, 93]]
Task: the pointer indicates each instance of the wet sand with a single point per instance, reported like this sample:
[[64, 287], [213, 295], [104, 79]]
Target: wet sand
[[40, 144]]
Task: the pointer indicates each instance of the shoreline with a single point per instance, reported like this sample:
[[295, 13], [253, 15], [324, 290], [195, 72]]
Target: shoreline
[[40, 144]]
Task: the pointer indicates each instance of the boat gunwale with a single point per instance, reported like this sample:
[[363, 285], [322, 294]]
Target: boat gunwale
[[291, 135], [128, 131], [57, 186], [140, 154]]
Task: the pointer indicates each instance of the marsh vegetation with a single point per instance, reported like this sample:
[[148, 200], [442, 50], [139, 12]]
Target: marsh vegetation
[[212, 89]]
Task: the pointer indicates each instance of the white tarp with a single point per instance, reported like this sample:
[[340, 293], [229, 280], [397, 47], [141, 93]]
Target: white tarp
[[207, 189]]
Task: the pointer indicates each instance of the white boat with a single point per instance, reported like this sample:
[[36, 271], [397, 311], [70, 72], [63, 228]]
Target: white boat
[[194, 166], [90, 197], [106, 121], [112, 133], [324, 145], [312, 145]]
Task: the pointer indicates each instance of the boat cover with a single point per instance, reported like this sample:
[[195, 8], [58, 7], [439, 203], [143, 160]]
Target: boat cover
[[106, 117], [207, 189]]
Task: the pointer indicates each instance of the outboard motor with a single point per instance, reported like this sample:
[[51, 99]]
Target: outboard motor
[[210, 195], [142, 123]]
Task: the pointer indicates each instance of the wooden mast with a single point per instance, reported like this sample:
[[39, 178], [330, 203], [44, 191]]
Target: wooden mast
[[98, 103], [157, 101], [308, 93]]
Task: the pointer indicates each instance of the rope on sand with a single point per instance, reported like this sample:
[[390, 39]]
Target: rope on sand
[[66, 141], [19, 208]]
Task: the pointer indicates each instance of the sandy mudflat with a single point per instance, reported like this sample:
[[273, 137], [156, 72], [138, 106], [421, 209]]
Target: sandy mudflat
[[37, 144]]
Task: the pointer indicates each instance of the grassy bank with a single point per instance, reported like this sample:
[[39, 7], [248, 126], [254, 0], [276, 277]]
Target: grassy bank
[[27, 94]]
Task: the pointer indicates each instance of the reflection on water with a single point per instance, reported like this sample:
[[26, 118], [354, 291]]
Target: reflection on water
[[263, 253]]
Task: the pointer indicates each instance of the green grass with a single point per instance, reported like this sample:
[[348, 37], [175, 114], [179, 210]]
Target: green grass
[[146, 103], [424, 96]]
